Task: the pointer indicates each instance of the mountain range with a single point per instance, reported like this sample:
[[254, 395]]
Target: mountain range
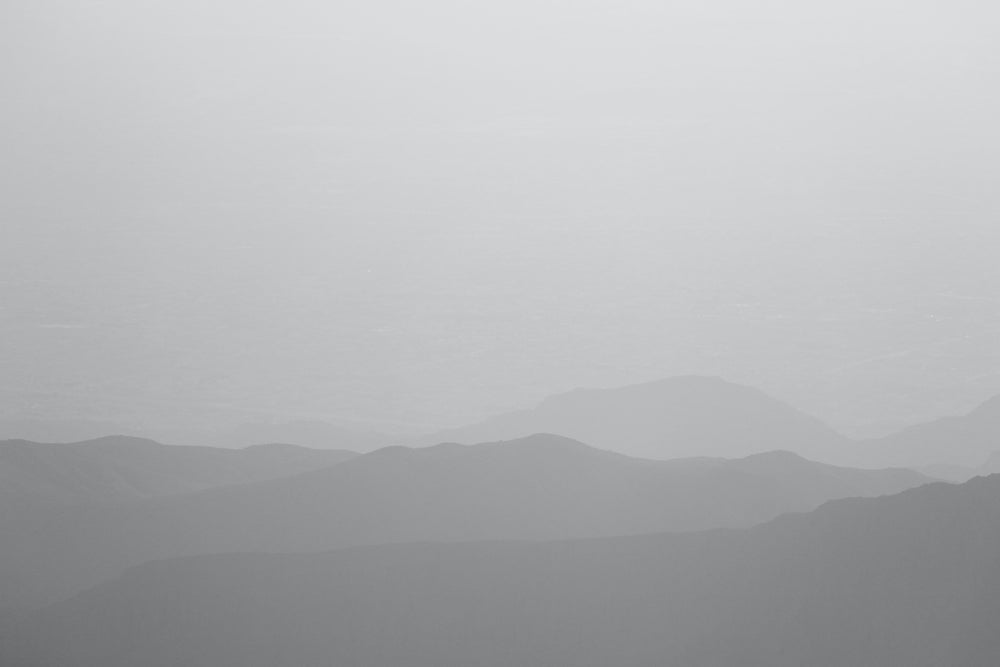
[[709, 416], [540, 487], [120, 468], [910, 579], [530, 549], [678, 417]]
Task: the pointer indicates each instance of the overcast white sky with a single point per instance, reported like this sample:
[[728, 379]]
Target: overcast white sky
[[412, 214]]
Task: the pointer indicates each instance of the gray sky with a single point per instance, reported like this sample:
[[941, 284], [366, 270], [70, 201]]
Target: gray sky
[[415, 214]]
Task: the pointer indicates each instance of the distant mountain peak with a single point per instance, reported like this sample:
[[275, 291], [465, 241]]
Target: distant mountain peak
[[679, 417]]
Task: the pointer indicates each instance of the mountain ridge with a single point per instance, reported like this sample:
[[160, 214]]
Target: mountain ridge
[[127, 468], [543, 487], [671, 418]]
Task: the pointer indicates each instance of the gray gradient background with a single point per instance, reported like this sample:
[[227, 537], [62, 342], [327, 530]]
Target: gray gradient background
[[412, 215]]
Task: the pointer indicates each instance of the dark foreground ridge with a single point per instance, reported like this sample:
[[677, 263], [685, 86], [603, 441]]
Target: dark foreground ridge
[[911, 579]]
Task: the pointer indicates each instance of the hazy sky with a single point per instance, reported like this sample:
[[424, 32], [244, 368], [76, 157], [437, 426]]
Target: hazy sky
[[413, 214]]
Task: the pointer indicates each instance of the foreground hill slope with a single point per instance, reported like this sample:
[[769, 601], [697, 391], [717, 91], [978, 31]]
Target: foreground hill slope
[[541, 487], [912, 579], [676, 417], [120, 468]]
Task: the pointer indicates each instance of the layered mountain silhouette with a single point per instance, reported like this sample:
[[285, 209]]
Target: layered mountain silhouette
[[911, 579], [540, 487], [119, 468], [677, 417], [707, 416]]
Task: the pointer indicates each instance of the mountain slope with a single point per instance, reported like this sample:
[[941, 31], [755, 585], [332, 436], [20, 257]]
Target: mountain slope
[[966, 440], [541, 487], [911, 579], [676, 417], [119, 468]]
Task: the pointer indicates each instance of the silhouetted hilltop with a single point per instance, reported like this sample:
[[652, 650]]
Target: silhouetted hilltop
[[676, 417], [540, 487], [120, 468], [911, 579]]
